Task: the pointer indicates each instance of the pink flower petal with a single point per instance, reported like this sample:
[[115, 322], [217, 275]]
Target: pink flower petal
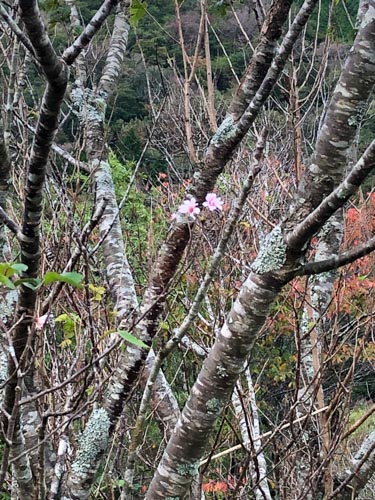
[[41, 321], [213, 202], [189, 207]]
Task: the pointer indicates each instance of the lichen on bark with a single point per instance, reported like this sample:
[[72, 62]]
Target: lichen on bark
[[272, 255], [93, 441], [225, 132]]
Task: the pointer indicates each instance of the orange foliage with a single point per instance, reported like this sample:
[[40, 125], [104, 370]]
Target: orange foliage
[[215, 487], [359, 279]]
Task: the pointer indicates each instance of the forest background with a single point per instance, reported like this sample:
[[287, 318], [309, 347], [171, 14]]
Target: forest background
[[155, 125]]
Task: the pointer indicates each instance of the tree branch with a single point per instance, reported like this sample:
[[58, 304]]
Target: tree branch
[[271, 271], [337, 261], [363, 467], [71, 53], [219, 152], [43, 49], [16, 30], [315, 220], [10, 223]]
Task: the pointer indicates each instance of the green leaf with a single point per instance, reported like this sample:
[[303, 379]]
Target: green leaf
[[18, 267], [12, 268], [32, 283], [132, 340], [362, 277], [70, 323], [137, 11], [73, 279], [6, 282]]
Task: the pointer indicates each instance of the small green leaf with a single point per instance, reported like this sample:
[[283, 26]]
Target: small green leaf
[[6, 282], [137, 11], [18, 267], [132, 340], [73, 279], [12, 268], [362, 277], [32, 283]]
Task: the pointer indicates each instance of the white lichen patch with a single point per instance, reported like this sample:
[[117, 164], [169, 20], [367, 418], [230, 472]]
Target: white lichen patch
[[221, 371], [368, 16], [343, 91], [93, 441], [226, 131], [89, 106], [272, 255]]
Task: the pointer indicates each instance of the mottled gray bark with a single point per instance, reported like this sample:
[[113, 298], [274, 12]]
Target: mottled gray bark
[[92, 107], [21, 470], [361, 470], [316, 436], [248, 422], [262, 58], [340, 260], [4, 187], [17, 428], [72, 52], [120, 281], [10, 297], [153, 372], [56, 75], [272, 269]]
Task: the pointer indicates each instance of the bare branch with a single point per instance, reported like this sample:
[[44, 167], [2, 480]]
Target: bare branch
[[363, 466], [43, 49], [16, 30], [308, 227], [71, 53], [337, 261], [10, 223]]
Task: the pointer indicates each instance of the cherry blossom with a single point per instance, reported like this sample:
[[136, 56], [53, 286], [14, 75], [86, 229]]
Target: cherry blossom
[[41, 321], [213, 202], [189, 207]]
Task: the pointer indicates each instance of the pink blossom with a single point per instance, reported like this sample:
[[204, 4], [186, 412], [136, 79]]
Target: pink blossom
[[41, 321], [213, 202], [189, 207]]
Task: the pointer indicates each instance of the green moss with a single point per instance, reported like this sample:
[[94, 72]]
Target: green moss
[[367, 426]]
